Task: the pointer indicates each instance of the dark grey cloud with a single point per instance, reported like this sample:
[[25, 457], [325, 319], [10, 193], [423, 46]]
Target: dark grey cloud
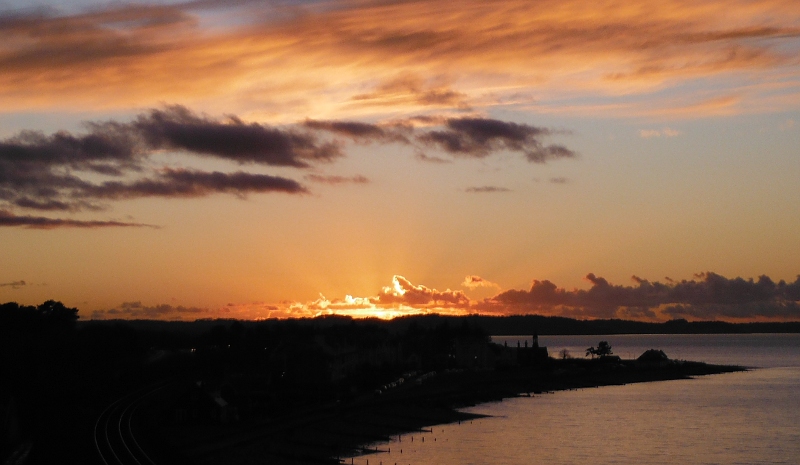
[[360, 132], [38, 222], [752, 310], [26, 202], [105, 143], [14, 284], [187, 183], [43, 172], [39, 172], [486, 189], [480, 137], [50, 172], [460, 137], [59, 172], [113, 148], [136, 310], [177, 128], [708, 296]]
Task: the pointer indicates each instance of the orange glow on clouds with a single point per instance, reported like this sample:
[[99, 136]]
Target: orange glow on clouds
[[402, 298], [345, 61], [707, 297]]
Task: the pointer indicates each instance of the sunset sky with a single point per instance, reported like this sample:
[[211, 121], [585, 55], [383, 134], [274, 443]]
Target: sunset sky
[[257, 159]]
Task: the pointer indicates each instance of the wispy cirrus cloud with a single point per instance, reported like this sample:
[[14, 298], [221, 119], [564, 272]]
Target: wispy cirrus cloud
[[345, 56], [412, 90]]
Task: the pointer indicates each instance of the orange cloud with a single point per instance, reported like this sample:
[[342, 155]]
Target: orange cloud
[[403, 292], [377, 57], [400, 298], [473, 282], [409, 90]]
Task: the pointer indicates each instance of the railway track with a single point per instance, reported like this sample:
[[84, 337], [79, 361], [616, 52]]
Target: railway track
[[114, 434]]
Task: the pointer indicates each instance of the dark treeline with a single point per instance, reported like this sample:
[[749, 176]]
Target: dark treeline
[[492, 325]]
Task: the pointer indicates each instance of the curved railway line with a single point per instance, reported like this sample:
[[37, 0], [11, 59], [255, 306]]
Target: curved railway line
[[114, 435]]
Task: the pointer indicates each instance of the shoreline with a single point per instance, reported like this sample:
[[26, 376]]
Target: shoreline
[[326, 434]]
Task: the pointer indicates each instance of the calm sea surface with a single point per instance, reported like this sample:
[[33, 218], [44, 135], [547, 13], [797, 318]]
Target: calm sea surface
[[736, 418]]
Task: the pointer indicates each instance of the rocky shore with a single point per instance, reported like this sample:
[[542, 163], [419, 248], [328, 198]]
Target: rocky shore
[[328, 433]]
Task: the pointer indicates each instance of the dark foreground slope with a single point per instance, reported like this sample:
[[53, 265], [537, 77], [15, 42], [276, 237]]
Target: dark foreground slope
[[329, 432]]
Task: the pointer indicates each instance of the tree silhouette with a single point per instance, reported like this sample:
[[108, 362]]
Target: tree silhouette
[[603, 349], [57, 314]]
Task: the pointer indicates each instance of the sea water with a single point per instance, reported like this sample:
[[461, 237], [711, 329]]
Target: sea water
[[736, 418]]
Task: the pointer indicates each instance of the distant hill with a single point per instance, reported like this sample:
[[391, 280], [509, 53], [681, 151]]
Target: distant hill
[[494, 325]]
